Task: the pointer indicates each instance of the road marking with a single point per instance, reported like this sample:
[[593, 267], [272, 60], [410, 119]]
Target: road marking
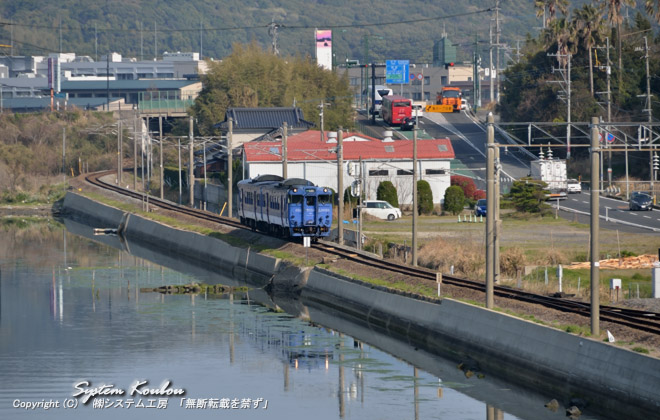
[[648, 217], [585, 202], [574, 199], [634, 214]]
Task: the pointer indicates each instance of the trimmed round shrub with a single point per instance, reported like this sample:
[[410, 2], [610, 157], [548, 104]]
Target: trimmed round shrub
[[387, 192], [424, 197], [454, 199]]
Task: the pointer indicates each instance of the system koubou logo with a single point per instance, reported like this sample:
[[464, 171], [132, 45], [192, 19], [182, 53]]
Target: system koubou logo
[[139, 394]]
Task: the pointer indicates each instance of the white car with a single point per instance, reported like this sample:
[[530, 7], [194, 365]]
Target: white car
[[573, 186], [381, 209], [464, 104]]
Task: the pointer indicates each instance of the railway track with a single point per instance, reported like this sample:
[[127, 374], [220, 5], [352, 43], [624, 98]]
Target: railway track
[[640, 320]]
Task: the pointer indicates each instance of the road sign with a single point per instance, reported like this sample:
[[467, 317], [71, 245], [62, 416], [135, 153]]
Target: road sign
[[397, 71], [419, 76], [610, 138], [439, 108]]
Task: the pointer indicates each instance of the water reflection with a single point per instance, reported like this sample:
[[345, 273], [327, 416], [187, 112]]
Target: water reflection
[[72, 310]]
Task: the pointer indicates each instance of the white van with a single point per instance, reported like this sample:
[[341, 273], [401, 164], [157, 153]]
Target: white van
[[381, 209]]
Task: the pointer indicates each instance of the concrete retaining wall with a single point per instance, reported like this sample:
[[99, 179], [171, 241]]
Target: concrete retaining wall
[[201, 248], [615, 380], [96, 214]]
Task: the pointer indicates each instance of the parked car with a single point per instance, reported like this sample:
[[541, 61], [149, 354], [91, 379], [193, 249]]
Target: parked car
[[640, 201], [480, 207], [573, 186], [408, 123], [381, 209]]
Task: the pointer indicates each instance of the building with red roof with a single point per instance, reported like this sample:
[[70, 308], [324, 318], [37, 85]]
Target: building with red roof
[[375, 160]]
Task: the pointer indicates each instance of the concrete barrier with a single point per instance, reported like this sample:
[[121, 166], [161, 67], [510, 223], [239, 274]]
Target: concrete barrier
[[612, 379], [95, 214]]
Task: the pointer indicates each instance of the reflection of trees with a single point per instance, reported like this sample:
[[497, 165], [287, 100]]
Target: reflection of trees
[[20, 236]]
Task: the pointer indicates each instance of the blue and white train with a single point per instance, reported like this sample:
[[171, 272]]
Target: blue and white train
[[291, 207]]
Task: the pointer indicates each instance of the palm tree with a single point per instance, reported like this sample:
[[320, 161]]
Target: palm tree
[[589, 24], [653, 10], [552, 6], [614, 17], [562, 32]]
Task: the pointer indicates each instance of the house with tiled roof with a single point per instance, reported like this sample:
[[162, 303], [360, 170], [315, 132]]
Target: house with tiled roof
[[250, 124], [375, 160]]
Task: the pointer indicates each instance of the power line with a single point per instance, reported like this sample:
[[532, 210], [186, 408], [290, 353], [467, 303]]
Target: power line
[[266, 25]]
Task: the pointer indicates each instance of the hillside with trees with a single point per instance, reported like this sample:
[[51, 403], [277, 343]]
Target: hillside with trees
[[146, 28]]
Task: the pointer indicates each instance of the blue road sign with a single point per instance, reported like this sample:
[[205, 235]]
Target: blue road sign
[[397, 71]]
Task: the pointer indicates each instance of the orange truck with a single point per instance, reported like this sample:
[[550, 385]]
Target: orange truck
[[450, 96]]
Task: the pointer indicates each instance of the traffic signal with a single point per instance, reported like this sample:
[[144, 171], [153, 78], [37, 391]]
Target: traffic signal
[[447, 65]]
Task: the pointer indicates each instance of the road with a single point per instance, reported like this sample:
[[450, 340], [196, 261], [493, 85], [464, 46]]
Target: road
[[469, 140]]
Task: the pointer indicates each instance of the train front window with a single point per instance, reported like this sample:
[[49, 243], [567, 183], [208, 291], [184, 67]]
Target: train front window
[[310, 200], [324, 199], [295, 199]]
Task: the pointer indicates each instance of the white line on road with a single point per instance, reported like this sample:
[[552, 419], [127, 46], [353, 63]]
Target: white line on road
[[648, 217], [634, 214]]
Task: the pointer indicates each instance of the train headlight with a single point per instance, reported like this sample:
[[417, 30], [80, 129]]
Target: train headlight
[[295, 190], [325, 190]]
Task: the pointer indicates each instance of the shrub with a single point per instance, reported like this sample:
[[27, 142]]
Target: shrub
[[387, 192], [424, 197], [454, 200], [528, 197], [467, 185], [348, 197]]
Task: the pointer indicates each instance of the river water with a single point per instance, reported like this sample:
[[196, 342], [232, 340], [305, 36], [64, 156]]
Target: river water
[[78, 323]]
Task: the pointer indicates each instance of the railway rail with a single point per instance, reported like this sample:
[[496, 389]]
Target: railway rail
[[636, 319]]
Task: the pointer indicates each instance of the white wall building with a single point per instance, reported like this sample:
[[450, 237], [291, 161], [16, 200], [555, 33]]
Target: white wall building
[[374, 159]]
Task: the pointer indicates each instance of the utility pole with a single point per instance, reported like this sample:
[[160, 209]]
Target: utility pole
[[373, 93], [359, 207], [160, 160], [340, 187], [272, 31], [476, 86], [497, 224], [230, 164], [119, 152], [649, 110], [180, 180], [191, 164], [490, 215], [490, 63], [565, 86], [321, 115], [64, 154], [285, 163], [135, 152], [414, 192], [155, 42], [141, 43], [595, 192], [497, 46]]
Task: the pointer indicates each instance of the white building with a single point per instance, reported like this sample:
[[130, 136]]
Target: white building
[[375, 160]]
